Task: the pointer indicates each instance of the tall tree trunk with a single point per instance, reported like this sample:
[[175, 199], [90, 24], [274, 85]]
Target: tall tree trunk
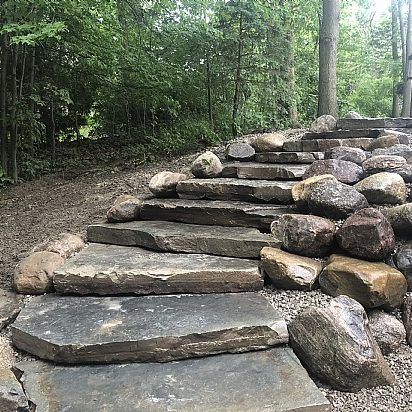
[[31, 100], [328, 47], [236, 95], [395, 57], [3, 103], [53, 133], [402, 34], [407, 90], [13, 117], [209, 93]]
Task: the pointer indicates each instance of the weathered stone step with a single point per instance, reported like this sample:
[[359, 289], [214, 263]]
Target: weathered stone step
[[271, 380], [343, 134], [146, 329], [113, 270], [183, 238], [263, 171], [256, 191], [370, 123], [288, 157], [322, 145], [221, 213]]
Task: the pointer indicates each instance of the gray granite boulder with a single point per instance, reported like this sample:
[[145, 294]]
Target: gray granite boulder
[[12, 397], [336, 344], [164, 183], [349, 154], [367, 234], [383, 188], [335, 200], [400, 217], [269, 142], [383, 163], [287, 271], [325, 123], [402, 150], [388, 332], [206, 166], [403, 261], [126, 211], [242, 152]]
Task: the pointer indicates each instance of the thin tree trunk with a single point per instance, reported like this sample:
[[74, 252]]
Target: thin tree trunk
[[407, 90], [53, 133], [235, 112], [395, 57], [209, 93], [402, 34], [32, 105], [3, 103], [13, 117], [328, 46]]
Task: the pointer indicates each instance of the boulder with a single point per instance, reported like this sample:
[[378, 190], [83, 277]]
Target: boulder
[[352, 115], [367, 234], [407, 318], [164, 183], [335, 200], [10, 305], [325, 123], [373, 284], [383, 188], [388, 332], [206, 166], [125, 211], [34, 274], [386, 141], [400, 217], [405, 172], [402, 150], [305, 235], [240, 151], [66, 245], [269, 142], [336, 344], [12, 397], [403, 261], [345, 172], [123, 198], [383, 163], [287, 271], [349, 154]]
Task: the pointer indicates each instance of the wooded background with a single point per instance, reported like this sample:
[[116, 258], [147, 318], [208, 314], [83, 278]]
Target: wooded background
[[168, 76]]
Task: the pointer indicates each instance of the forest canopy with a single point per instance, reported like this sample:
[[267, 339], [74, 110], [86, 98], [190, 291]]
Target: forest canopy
[[169, 76]]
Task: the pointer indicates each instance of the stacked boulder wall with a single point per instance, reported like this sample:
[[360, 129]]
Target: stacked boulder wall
[[373, 284], [336, 345], [344, 171]]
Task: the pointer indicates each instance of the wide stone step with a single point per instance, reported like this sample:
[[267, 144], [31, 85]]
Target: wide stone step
[[146, 329], [271, 380], [221, 213], [322, 145], [112, 270], [289, 157], [256, 191], [343, 134], [370, 123], [263, 171], [183, 238]]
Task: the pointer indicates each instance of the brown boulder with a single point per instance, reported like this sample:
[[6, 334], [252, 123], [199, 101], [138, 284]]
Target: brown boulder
[[125, 211], [66, 245], [349, 154], [164, 184], [385, 141], [269, 142], [383, 163]]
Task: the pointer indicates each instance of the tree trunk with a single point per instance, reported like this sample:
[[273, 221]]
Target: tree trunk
[[328, 47], [32, 105], [402, 34], [407, 90], [3, 103], [209, 92], [236, 95], [395, 57], [13, 117], [53, 133]]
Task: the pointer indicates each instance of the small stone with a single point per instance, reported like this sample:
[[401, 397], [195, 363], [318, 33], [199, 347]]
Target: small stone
[[345, 172], [402, 150], [325, 123], [10, 305], [12, 397], [34, 274], [383, 163], [66, 245], [240, 151], [403, 261], [388, 332], [287, 271], [305, 235], [206, 166], [407, 318], [349, 154], [400, 217], [384, 142], [373, 284], [164, 183], [7, 358], [336, 344], [126, 211], [269, 142], [335, 200], [383, 188], [352, 115]]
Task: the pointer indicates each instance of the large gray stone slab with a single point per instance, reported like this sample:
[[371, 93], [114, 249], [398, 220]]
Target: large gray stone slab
[[272, 380], [322, 145], [12, 397], [342, 134], [288, 157], [10, 304], [147, 328], [374, 123], [183, 238], [111, 270], [263, 171], [256, 191], [221, 213]]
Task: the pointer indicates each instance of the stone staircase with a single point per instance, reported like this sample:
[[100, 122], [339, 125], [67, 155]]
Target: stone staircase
[[166, 292]]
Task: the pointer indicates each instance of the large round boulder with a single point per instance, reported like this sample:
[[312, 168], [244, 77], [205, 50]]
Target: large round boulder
[[124, 211], [349, 154], [325, 123], [164, 183], [345, 172], [242, 152], [207, 165], [269, 142], [400, 217]]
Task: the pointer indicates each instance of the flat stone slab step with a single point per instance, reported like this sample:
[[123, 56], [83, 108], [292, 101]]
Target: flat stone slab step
[[221, 213], [146, 329], [343, 134], [370, 123], [256, 191], [289, 157], [271, 380], [322, 145], [263, 171], [183, 238], [112, 270]]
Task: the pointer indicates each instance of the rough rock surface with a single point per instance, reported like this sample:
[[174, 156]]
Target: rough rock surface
[[352, 115], [387, 141], [388, 332], [396, 150], [345, 172], [206, 166], [263, 171], [383, 163], [164, 183], [269, 142], [66, 245], [288, 157], [10, 305], [7, 356], [325, 123], [373, 284], [125, 211], [335, 200], [146, 328], [256, 381], [322, 145], [12, 397], [34, 274], [240, 151], [367, 234], [407, 318], [349, 154], [305, 235], [371, 123], [400, 217], [383, 188], [335, 343], [112, 270], [403, 261], [289, 271]]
